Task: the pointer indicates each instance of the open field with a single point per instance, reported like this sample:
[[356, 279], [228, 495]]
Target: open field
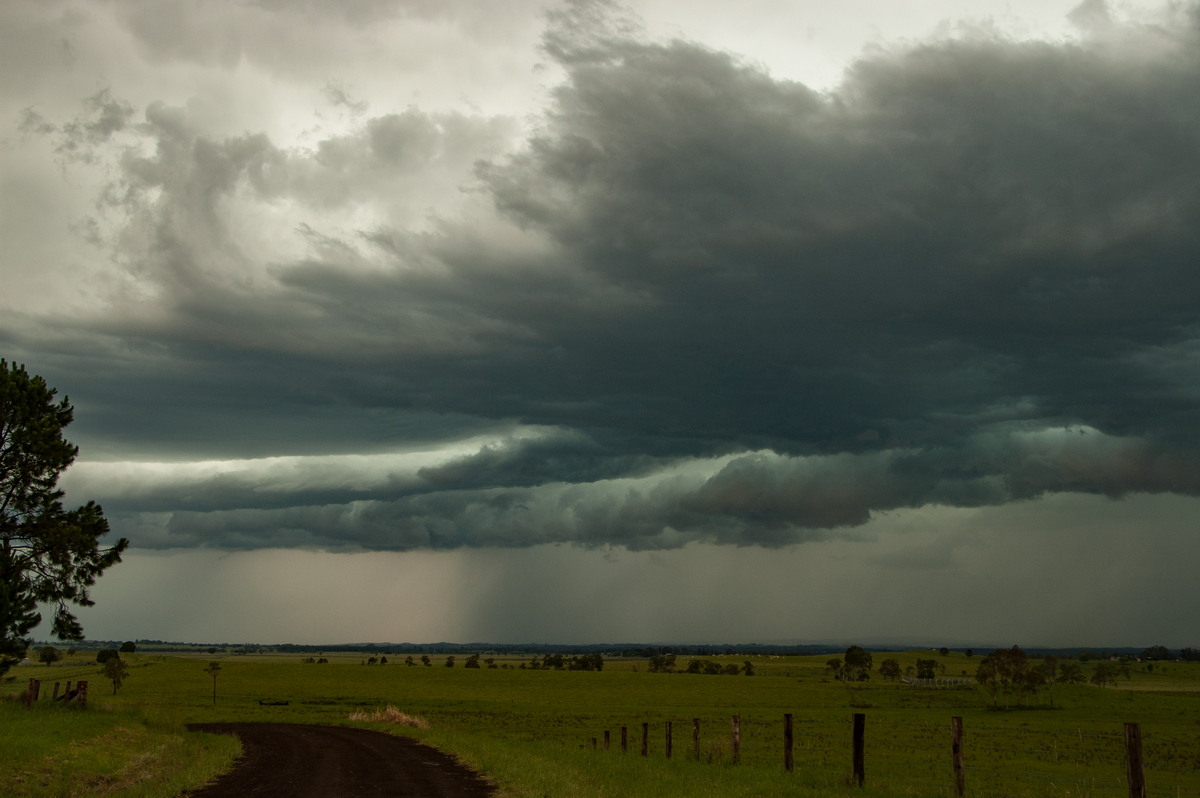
[[532, 730]]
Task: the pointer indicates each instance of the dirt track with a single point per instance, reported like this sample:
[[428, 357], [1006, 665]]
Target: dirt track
[[292, 760]]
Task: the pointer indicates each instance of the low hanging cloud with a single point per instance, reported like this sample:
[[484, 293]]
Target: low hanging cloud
[[757, 498], [736, 309]]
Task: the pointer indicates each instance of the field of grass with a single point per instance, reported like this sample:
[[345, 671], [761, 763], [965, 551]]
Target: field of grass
[[50, 750], [532, 731]]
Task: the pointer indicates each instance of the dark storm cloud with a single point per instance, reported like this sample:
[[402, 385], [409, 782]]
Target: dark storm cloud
[[750, 312]]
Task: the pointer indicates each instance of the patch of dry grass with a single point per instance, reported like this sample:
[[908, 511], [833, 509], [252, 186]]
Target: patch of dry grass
[[390, 714]]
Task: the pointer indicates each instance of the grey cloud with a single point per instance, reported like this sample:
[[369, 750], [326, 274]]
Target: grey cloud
[[77, 140], [759, 499], [893, 295]]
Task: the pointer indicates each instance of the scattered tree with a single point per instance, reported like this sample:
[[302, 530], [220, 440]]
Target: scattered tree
[[409, 661], [747, 668], [856, 665], [1070, 673], [945, 652], [48, 554], [662, 663], [586, 662], [115, 670], [1047, 674], [212, 670], [927, 668], [426, 661], [889, 669], [1105, 674], [472, 661], [128, 647], [49, 655], [1156, 652], [105, 654], [836, 666], [1007, 671], [450, 661]]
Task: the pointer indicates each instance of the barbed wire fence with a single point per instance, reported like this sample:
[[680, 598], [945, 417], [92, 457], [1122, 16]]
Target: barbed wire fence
[[980, 759]]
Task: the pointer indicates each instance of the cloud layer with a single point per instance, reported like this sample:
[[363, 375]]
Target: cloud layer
[[681, 300]]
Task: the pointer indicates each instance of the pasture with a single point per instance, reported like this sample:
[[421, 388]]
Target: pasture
[[532, 731]]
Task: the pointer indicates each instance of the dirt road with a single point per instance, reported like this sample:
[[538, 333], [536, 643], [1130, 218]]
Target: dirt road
[[292, 760]]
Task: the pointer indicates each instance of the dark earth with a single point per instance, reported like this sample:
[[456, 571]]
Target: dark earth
[[294, 760]]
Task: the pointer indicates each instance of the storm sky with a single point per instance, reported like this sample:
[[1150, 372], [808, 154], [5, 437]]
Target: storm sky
[[565, 321]]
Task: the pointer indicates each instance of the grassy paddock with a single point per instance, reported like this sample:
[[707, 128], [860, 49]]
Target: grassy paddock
[[51, 750], [532, 731]]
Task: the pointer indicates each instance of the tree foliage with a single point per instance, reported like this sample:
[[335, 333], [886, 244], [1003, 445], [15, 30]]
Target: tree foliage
[[927, 669], [662, 663], [1070, 673], [1008, 671], [116, 671], [213, 669], [48, 554], [856, 664]]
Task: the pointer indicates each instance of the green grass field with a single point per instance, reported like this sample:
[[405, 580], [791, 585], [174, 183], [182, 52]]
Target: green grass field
[[532, 731]]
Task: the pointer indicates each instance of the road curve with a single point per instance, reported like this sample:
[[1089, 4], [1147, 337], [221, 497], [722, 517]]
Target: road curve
[[294, 760]]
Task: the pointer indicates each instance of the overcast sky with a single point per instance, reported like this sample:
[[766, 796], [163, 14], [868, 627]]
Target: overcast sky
[[420, 320]]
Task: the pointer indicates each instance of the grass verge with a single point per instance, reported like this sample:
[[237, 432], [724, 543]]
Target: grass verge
[[52, 750]]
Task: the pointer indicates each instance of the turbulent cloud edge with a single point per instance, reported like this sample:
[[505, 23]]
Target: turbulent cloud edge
[[753, 498]]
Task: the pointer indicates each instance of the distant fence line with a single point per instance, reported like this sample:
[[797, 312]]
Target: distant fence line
[[1134, 763], [939, 684]]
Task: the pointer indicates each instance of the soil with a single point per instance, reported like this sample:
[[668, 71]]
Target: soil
[[293, 760]]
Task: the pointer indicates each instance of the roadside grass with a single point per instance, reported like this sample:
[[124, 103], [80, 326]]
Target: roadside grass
[[532, 731], [52, 750]]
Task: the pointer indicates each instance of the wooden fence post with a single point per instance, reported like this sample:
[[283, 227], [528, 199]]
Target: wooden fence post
[[1133, 761], [645, 739], [787, 742], [668, 739], [860, 725], [32, 692], [956, 755], [624, 740], [81, 692], [737, 739], [56, 684], [696, 738], [606, 738]]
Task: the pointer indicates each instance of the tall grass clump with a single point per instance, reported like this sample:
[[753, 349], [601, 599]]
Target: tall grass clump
[[392, 715]]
